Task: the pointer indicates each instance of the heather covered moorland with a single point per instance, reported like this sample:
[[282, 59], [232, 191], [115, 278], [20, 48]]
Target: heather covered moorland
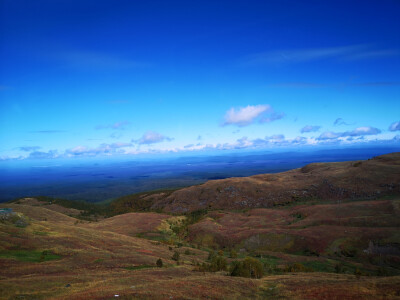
[[318, 246]]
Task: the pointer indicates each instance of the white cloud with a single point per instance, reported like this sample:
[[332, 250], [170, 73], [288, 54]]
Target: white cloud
[[395, 126], [244, 116], [152, 137], [329, 135], [360, 131], [310, 128], [366, 130], [276, 138]]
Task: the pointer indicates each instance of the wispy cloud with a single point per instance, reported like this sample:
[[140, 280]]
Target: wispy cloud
[[28, 148], [9, 158], [43, 155], [340, 121], [116, 135], [360, 131], [372, 54], [366, 130], [48, 131], [117, 125], [310, 128], [274, 116], [394, 126], [339, 85], [375, 83], [291, 56], [101, 149], [152, 137]]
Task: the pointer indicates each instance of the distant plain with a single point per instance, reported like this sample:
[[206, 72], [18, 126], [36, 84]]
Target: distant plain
[[97, 180]]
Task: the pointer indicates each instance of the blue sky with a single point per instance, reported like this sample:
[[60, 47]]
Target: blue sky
[[92, 78]]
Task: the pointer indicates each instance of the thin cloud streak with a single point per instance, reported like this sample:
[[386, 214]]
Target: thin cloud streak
[[118, 125], [293, 56], [305, 85], [48, 131]]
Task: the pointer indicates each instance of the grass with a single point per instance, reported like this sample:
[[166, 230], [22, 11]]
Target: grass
[[99, 263], [42, 233], [269, 260], [29, 255], [319, 266], [133, 268]]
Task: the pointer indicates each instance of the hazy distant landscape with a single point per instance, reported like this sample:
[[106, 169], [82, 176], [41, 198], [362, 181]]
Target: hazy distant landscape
[[99, 180]]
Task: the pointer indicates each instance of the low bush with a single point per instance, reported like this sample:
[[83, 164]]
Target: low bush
[[159, 263], [176, 256], [249, 267]]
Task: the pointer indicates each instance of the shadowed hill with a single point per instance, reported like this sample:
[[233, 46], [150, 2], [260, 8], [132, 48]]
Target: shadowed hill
[[329, 181]]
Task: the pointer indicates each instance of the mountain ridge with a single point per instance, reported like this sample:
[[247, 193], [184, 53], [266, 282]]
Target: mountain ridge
[[336, 181]]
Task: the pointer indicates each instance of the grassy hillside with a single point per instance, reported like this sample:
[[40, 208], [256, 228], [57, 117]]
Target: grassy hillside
[[303, 256], [311, 247], [315, 182]]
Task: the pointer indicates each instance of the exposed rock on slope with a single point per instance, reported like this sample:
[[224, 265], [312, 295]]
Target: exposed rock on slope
[[329, 181]]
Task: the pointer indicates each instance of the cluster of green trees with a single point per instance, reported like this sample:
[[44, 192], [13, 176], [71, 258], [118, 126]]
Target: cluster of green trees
[[249, 267]]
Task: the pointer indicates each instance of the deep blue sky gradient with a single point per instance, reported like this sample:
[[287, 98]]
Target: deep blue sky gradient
[[93, 78]]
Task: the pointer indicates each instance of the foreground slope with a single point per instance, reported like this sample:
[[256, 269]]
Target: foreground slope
[[329, 181], [326, 231], [59, 257]]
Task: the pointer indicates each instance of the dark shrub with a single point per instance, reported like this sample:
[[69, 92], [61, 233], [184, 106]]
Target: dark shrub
[[159, 263], [176, 256], [249, 267]]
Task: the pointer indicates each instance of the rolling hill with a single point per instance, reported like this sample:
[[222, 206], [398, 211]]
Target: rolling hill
[[325, 231], [351, 180]]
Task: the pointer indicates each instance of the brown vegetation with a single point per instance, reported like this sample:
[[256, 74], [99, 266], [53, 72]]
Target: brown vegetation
[[315, 233]]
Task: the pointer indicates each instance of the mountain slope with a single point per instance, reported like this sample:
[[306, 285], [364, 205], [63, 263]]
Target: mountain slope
[[329, 181]]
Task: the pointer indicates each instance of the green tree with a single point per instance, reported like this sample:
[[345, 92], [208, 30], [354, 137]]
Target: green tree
[[218, 263]]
